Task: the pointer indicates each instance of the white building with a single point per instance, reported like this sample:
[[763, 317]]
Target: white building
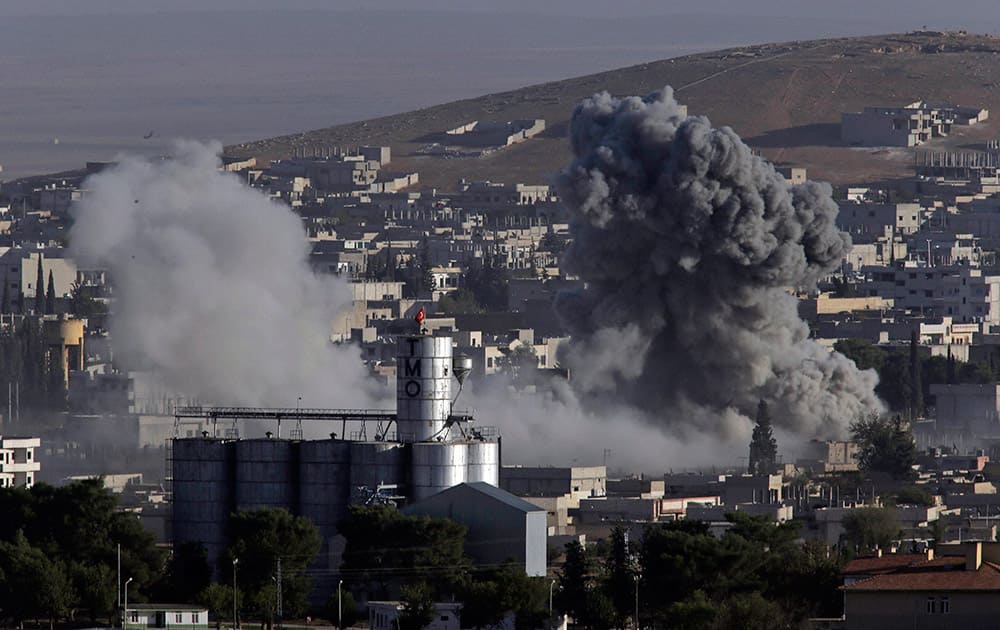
[[176, 616], [383, 616], [18, 465]]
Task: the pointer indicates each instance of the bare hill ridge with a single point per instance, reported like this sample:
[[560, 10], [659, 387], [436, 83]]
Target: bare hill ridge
[[784, 99]]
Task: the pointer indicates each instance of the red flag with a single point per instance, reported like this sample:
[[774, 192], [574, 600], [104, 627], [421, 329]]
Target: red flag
[[420, 316]]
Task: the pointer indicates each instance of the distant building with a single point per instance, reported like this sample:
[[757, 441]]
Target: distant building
[[552, 481], [906, 126], [18, 465]]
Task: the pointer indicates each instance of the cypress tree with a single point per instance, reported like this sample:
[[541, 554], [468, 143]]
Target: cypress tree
[[916, 387], [39, 284], [50, 296], [5, 301], [763, 446]]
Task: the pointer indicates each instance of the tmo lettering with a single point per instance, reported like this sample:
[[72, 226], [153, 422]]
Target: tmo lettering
[[412, 389], [411, 367]]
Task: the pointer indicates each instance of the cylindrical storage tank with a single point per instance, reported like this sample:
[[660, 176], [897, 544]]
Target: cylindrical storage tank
[[374, 463], [438, 466], [423, 387], [266, 474], [324, 483], [484, 462], [202, 492]]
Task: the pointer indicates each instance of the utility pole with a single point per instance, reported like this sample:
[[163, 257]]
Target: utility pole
[[340, 608], [118, 593], [125, 611]]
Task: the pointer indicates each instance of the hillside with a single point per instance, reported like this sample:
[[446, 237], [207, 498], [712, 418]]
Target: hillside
[[784, 99]]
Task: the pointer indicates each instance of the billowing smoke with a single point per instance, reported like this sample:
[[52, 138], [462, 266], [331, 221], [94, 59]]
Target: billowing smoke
[[213, 289], [688, 243]]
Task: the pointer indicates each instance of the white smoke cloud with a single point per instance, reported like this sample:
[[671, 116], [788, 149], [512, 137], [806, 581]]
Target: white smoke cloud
[[213, 291]]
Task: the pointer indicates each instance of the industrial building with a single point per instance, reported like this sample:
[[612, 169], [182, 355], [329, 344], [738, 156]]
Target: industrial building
[[500, 526], [398, 457]]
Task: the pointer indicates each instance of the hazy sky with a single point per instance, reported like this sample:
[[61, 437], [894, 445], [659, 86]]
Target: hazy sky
[[98, 75]]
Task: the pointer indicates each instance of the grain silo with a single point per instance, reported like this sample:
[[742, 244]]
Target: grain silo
[[421, 448]]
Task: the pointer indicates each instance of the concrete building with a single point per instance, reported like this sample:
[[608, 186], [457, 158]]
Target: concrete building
[[551, 481], [905, 126], [19, 467], [879, 219], [19, 270], [500, 526], [970, 409], [965, 294], [830, 456]]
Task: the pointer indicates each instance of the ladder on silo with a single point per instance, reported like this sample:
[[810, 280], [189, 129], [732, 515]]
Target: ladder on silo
[[168, 472]]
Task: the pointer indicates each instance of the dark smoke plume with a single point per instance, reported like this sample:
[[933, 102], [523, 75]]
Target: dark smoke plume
[[688, 244]]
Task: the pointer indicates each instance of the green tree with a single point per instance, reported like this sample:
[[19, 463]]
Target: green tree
[[418, 607], [869, 528], [520, 365], [39, 288], [490, 286], [914, 495], [50, 296], [884, 445], [862, 352], [574, 582], [751, 611], [916, 384], [763, 446], [619, 578], [218, 599], [348, 608], [31, 584], [694, 613], [386, 548], [459, 301], [188, 574], [259, 538], [96, 589]]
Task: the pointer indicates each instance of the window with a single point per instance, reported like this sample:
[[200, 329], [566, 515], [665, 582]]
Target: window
[[179, 618], [931, 606], [945, 605], [134, 617], [194, 617]]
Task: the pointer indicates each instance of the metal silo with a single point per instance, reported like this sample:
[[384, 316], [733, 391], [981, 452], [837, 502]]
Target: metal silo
[[202, 492], [374, 463], [438, 466], [484, 462], [423, 387], [266, 474], [324, 483]]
